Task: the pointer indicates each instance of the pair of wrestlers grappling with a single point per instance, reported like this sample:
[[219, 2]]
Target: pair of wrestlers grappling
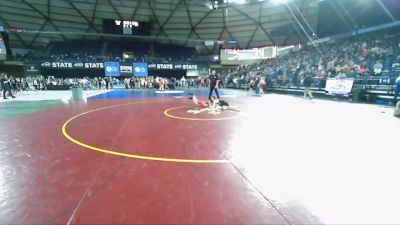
[[213, 105]]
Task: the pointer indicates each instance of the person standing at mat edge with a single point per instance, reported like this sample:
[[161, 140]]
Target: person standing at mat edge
[[6, 86], [307, 85], [214, 81], [397, 90]]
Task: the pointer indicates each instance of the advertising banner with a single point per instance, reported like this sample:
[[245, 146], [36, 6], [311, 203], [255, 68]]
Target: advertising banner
[[111, 69], [126, 70], [339, 86], [73, 65], [31, 69], [140, 69], [170, 66]]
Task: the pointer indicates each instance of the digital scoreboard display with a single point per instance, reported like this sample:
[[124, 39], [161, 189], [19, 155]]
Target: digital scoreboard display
[[126, 27]]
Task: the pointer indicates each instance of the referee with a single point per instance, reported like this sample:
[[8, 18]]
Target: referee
[[214, 81]]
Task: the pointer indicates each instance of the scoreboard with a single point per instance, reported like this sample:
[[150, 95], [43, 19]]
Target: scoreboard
[[126, 27]]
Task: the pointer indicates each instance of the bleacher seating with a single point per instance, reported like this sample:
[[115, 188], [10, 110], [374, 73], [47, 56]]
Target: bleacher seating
[[173, 53], [139, 49], [347, 56], [72, 47]]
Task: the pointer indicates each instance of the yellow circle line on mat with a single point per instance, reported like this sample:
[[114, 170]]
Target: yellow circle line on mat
[[113, 152], [166, 113]]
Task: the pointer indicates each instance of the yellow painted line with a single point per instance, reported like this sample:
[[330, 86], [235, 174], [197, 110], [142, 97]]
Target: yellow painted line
[[114, 152], [167, 113]]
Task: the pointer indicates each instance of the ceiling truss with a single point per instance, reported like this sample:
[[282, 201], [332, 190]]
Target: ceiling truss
[[190, 20]]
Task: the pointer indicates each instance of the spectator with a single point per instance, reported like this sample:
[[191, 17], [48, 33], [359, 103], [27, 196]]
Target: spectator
[[262, 85], [341, 75], [6, 86], [397, 90], [307, 85], [363, 69], [378, 68]]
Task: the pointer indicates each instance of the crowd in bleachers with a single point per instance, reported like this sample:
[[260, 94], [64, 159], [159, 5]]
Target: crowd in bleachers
[[360, 58], [114, 51], [365, 58], [36, 83], [163, 83]]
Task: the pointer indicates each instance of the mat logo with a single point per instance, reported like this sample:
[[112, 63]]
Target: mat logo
[[197, 111]]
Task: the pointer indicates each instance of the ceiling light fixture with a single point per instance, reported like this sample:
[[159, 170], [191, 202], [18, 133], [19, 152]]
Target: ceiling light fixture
[[280, 1], [239, 2]]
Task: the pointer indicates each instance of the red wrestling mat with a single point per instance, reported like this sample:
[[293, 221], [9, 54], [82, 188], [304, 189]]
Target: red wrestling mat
[[58, 181]]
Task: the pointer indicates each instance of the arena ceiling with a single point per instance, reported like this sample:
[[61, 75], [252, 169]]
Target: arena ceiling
[[188, 22]]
